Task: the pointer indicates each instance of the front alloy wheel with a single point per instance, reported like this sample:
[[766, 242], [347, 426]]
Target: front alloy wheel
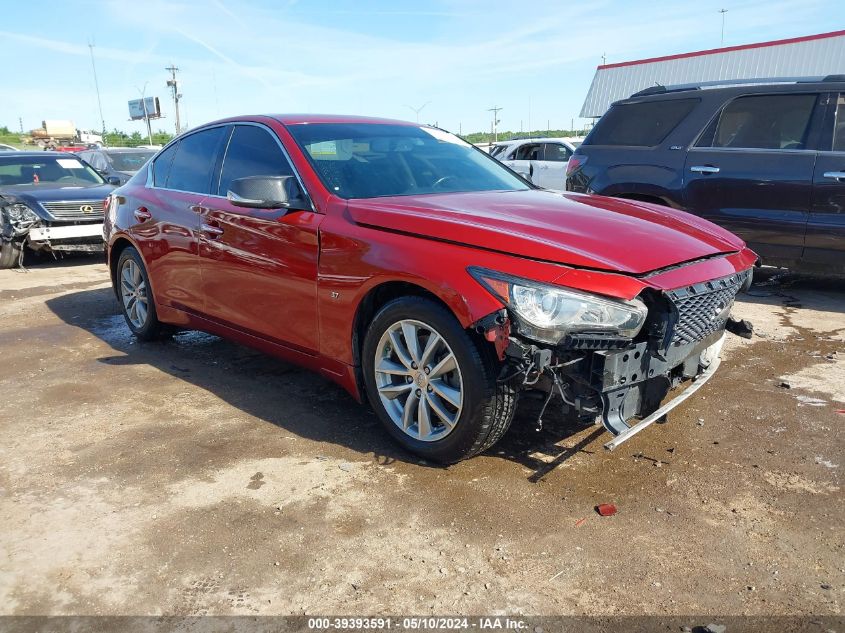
[[419, 381], [432, 383]]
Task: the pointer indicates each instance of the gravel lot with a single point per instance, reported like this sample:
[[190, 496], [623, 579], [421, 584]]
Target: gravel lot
[[199, 477]]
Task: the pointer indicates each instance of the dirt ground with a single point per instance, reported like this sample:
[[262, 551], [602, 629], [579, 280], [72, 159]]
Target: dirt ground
[[199, 477]]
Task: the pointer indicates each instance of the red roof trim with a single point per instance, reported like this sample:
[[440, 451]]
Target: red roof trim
[[727, 49]]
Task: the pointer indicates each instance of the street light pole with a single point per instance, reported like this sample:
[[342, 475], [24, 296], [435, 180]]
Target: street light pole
[[146, 114], [97, 87], [723, 12]]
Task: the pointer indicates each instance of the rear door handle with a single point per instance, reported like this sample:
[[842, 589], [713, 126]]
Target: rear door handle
[[704, 169], [836, 175], [210, 230], [142, 214]]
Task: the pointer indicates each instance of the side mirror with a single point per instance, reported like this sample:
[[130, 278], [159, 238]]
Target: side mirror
[[113, 180], [267, 192]]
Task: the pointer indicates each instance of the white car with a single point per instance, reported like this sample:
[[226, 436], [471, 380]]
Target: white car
[[7, 148], [540, 160]]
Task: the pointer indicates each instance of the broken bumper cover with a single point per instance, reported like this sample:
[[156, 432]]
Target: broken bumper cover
[[633, 382], [696, 384]]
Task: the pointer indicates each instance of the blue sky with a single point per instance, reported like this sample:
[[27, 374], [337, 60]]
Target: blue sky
[[535, 59]]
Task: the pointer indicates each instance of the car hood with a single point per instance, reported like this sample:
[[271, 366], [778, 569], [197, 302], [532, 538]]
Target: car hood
[[51, 192], [572, 229]]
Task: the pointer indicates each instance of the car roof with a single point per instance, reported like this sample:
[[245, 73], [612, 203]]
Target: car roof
[[298, 119], [545, 139], [698, 92], [118, 150]]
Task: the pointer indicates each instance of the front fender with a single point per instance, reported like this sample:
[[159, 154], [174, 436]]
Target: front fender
[[355, 260]]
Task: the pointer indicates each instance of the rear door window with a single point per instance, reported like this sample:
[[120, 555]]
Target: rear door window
[[839, 125], [529, 151], [644, 124], [557, 153], [252, 151], [764, 122], [194, 161]]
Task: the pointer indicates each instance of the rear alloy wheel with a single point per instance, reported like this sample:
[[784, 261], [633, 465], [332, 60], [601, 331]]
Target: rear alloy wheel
[[133, 287], [432, 384]]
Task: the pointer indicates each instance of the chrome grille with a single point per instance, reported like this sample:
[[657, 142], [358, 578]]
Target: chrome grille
[[75, 209], [704, 308]]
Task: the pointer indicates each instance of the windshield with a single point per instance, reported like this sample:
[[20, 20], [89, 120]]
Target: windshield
[[35, 170], [130, 161], [369, 160]]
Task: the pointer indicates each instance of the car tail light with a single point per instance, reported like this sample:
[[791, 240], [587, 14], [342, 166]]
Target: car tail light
[[575, 163]]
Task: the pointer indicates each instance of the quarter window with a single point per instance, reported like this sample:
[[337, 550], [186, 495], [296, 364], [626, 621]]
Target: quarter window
[[765, 122], [194, 161], [644, 124], [252, 151], [161, 166]]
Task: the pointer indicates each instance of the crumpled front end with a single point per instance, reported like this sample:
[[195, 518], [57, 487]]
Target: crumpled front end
[[624, 381], [21, 224]]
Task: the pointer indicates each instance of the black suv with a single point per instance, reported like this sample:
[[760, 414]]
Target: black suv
[[765, 160]]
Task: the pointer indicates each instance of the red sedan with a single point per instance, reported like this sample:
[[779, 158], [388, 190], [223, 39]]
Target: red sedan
[[422, 275]]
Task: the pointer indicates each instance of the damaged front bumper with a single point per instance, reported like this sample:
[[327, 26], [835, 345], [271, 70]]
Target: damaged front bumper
[[48, 233], [625, 382], [21, 225]]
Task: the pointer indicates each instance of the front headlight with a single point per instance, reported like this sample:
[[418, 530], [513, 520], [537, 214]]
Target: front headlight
[[548, 313], [18, 213]]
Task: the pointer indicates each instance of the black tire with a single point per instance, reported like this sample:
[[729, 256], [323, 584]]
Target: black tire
[[10, 254], [151, 329], [488, 407]]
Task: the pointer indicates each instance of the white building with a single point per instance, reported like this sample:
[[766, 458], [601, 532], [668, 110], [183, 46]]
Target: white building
[[810, 56]]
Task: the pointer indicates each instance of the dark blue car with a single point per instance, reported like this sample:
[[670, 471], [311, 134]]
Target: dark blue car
[[766, 160], [49, 201]]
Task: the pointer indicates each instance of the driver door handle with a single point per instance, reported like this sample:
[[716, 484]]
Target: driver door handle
[[704, 169], [835, 175]]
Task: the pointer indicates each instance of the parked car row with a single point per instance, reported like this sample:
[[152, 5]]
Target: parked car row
[[765, 161]]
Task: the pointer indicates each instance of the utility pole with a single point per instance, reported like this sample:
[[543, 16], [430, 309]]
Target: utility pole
[[604, 59], [174, 87], [529, 116], [97, 86], [20, 122], [495, 110], [418, 110], [723, 12]]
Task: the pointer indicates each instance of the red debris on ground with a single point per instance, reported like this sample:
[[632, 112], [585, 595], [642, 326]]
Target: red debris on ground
[[580, 522], [606, 509]]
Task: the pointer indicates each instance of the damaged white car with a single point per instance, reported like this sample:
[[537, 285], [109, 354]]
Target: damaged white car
[[49, 202]]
